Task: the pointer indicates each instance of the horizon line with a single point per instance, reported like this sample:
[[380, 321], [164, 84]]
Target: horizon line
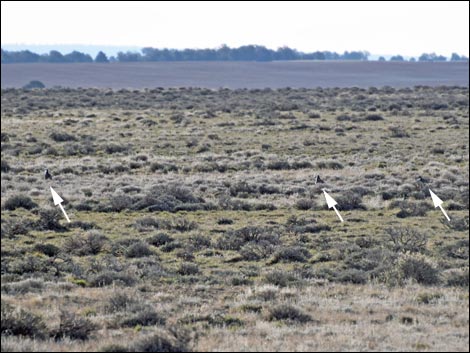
[[222, 45]]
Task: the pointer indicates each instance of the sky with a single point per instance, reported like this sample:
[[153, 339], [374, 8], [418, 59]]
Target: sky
[[406, 28]]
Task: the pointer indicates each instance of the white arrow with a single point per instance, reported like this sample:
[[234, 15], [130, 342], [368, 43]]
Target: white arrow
[[438, 202], [332, 203], [58, 201]]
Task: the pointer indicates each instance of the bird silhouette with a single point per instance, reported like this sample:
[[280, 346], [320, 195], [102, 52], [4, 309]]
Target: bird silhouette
[[47, 175], [318, 180], [421, 179]]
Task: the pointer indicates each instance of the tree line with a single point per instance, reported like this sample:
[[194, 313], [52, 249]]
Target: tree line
[[224, 53]]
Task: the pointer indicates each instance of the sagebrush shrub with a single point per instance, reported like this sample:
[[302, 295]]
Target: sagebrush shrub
[[288, 313], [407, 239], [139, 249], [291, 254], [74, 327], [144, 318], [19, 322], [188, 269], [18, 201], [418, 268], [90, 243], [162, 341]]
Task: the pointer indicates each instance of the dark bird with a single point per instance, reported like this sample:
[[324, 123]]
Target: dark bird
[[420, 179], [47, 175], [318, 180]]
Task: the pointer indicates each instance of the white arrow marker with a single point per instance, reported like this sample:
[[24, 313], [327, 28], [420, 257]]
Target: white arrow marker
[[332, 203], [58, 201], [437, 203]]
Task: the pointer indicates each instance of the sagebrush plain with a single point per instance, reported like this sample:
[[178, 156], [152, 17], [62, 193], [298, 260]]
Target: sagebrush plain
[[196, 223]]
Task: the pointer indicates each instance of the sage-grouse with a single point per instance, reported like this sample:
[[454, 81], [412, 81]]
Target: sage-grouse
[[318, 180], [47, 175]]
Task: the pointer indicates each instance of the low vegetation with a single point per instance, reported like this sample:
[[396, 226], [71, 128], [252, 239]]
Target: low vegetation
[[197, 224]]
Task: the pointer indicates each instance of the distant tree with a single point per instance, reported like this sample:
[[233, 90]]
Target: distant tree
[[425, 57], [397, 58], [331, 55], [54, 57], [223, 53], [432, 57], [128, 56], [285, 53], [457, 57], [412, 60], [23, 56], [355, 55], [5, 57], [34, 84], [318, 55], [150, 54], [101, 58], [77, 57]]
